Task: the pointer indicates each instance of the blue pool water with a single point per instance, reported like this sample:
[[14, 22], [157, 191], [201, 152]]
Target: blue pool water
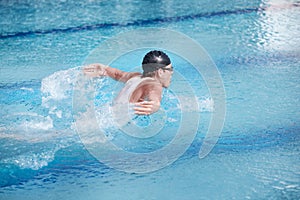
[[255, 46]]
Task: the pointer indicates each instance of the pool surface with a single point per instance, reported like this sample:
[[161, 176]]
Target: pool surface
[[255, 48]]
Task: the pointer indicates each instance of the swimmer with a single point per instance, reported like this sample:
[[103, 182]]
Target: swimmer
[[143, 90]]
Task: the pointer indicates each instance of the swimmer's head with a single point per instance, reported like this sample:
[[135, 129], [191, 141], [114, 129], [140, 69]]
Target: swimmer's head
[[154, 60]]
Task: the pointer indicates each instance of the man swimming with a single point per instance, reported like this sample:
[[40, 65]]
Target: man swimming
[[144, 90]]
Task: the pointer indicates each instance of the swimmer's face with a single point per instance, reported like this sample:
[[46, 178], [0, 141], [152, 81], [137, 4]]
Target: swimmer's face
[[166, 75]]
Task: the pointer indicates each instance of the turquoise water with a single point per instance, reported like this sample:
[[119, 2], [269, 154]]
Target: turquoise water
[[255, 47]]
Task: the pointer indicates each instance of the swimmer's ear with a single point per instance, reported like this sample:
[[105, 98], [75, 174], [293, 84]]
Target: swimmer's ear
[[160, 72]]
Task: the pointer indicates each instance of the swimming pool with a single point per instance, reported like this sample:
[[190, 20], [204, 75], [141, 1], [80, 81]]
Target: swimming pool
[[255, 47]]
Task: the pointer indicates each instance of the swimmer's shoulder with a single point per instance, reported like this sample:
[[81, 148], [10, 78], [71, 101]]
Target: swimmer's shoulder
[[145, 81], [150, 84]]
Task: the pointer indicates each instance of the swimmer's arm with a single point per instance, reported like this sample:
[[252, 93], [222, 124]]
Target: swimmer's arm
[[146, 107], [98, 70], [119, 75], [150, 106]]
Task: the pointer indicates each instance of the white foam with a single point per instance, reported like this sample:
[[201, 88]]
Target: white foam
[[28, 89], [59, 85], [32, 160], [28, 122], [41, 123]]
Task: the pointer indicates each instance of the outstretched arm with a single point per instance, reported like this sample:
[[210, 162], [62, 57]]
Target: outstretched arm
[[98, 70]]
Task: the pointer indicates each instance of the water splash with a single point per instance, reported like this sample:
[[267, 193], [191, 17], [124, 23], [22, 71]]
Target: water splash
[[50, 128], [32, 160]]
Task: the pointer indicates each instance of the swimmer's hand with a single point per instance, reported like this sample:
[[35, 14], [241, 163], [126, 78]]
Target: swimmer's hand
[[95, 70], [146, 107]]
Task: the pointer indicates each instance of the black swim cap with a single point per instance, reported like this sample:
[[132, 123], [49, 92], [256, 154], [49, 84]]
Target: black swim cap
[[154, 60]]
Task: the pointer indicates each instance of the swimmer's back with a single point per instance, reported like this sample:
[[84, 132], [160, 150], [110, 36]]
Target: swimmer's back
[[138, 89]]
